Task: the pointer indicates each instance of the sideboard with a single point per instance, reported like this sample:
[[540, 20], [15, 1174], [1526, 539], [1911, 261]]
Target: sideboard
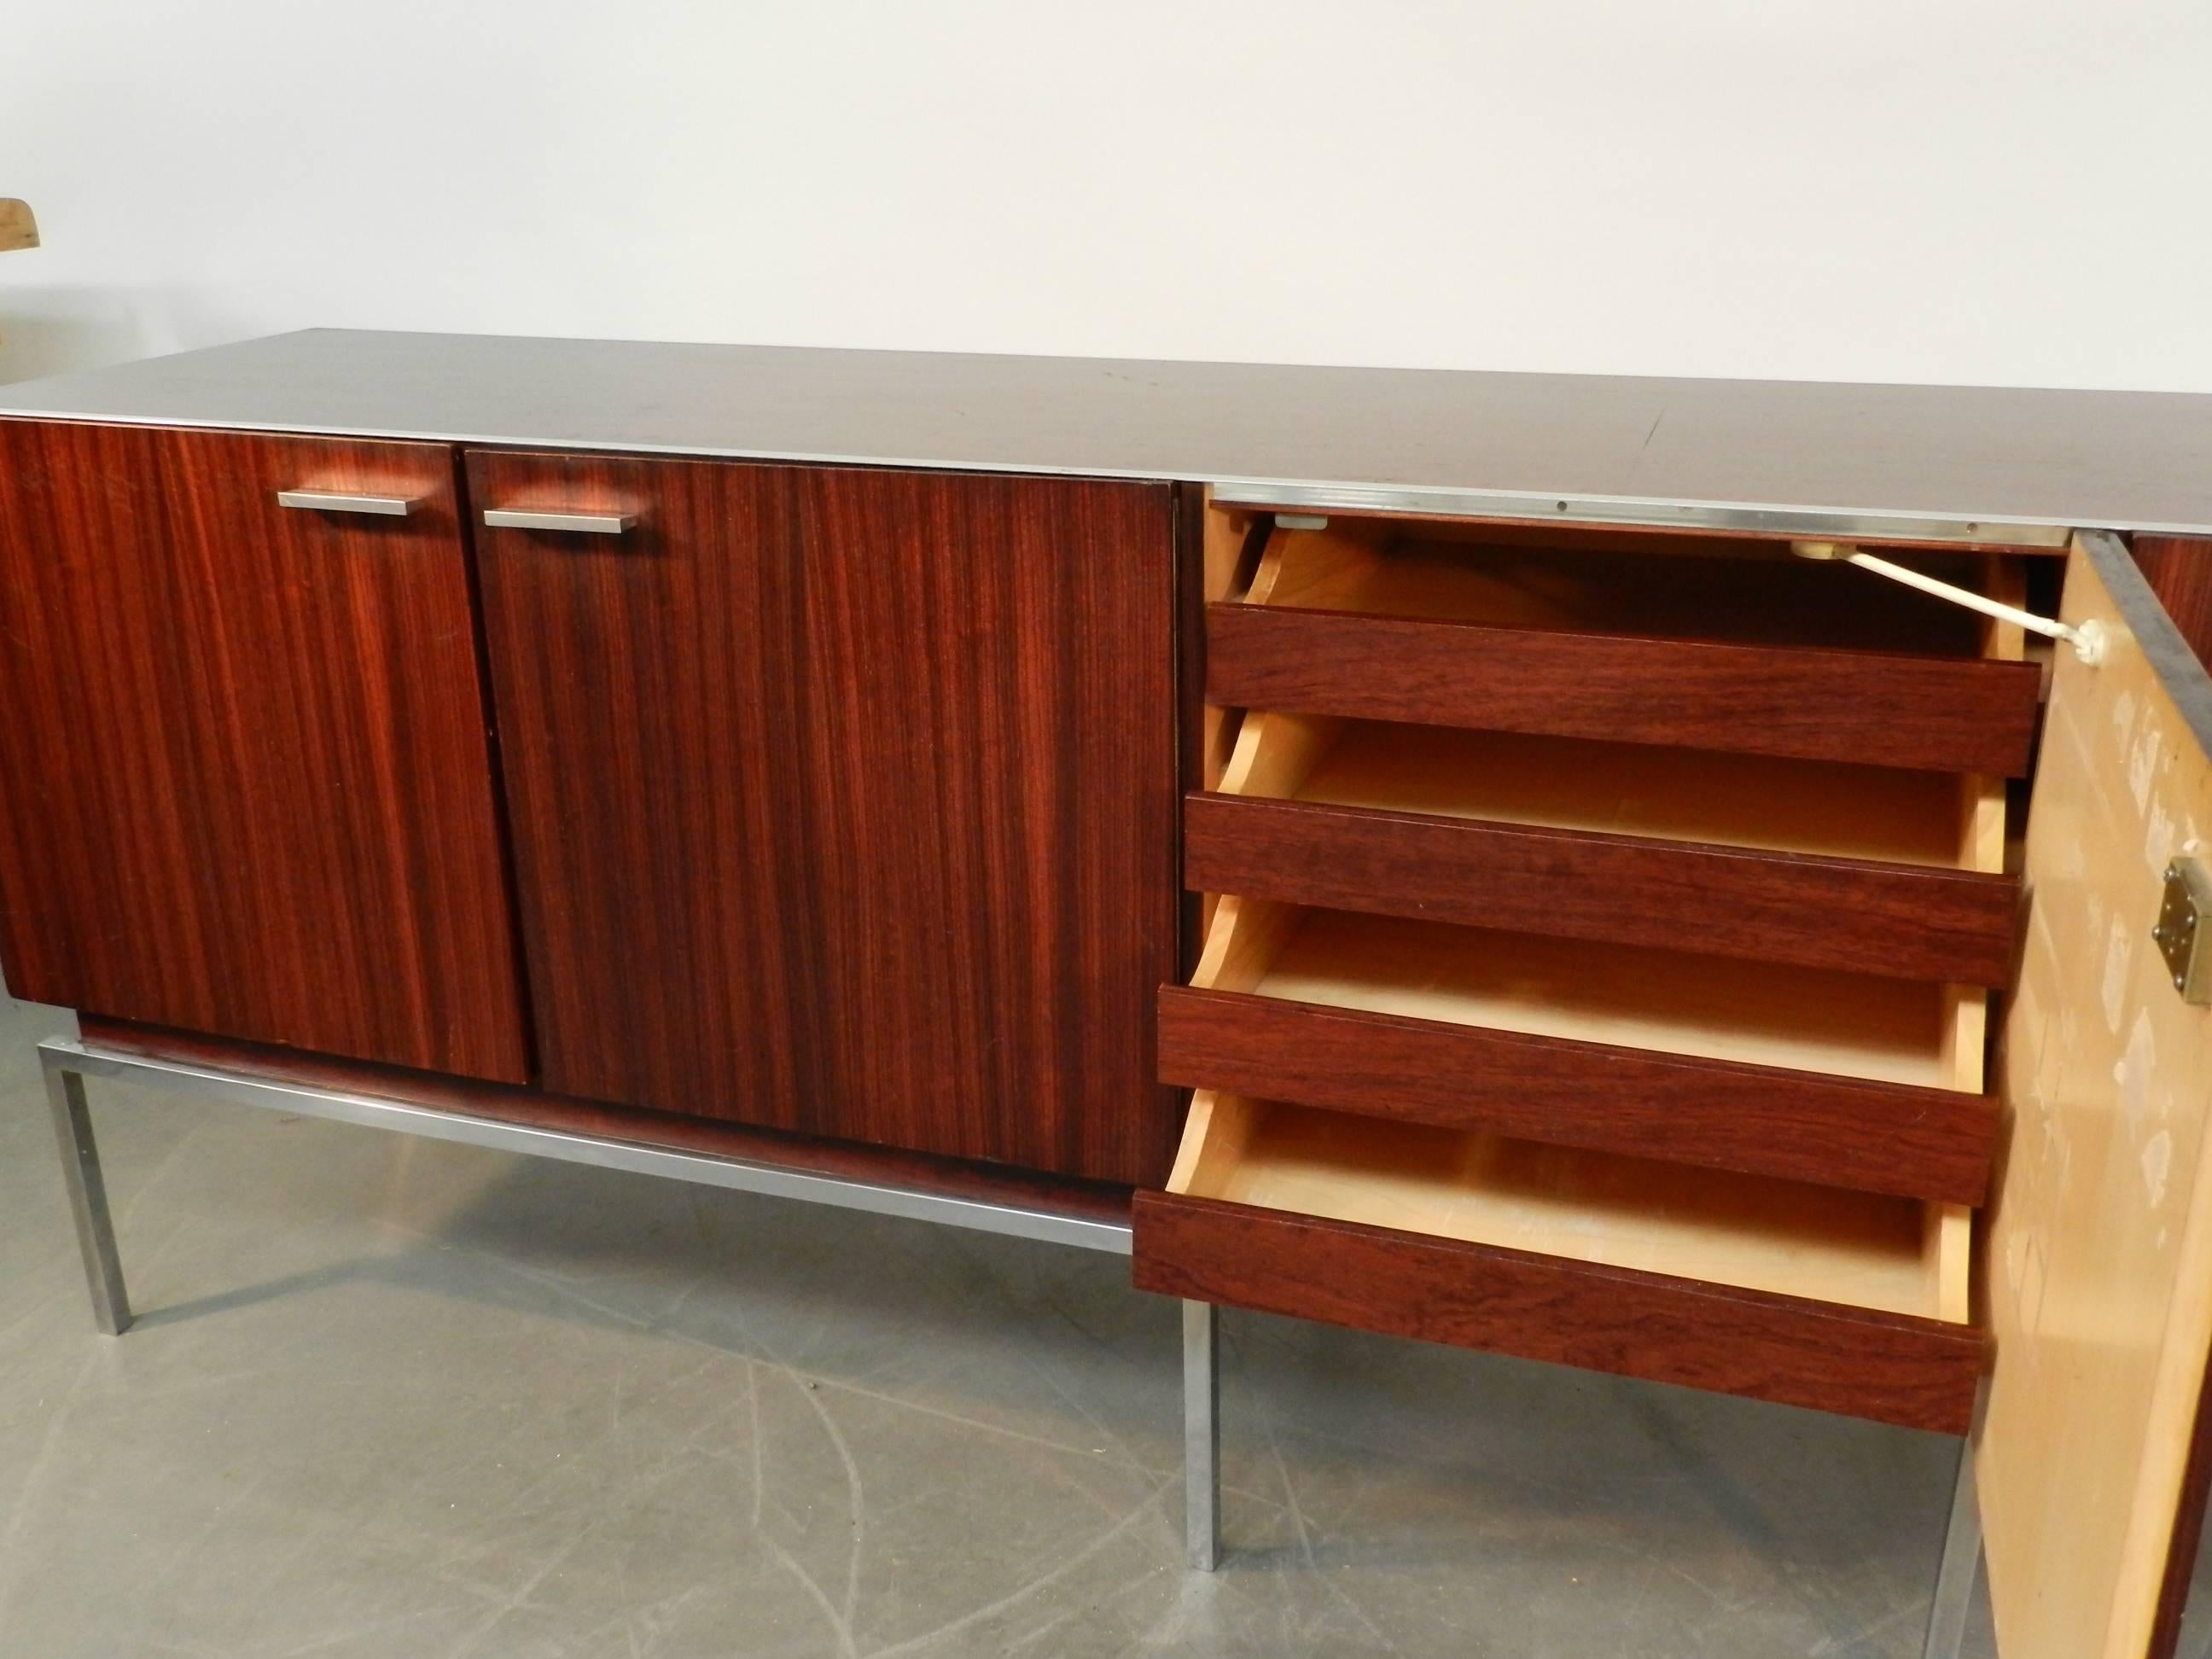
[[1694, 879]]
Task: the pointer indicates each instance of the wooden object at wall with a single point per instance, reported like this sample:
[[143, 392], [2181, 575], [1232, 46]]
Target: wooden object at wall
[[2097, 1266], [17, 230], [2179, 571], [844, 801], [248, 784]]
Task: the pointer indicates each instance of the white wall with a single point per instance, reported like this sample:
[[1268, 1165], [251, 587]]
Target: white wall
[[2013, 191]]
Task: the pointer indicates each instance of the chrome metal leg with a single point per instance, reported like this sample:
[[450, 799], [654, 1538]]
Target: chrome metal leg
[[1962, 1553], [88, 1197], [1201, 1436]]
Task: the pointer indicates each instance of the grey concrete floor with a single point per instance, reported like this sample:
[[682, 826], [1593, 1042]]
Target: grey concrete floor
[[388, 1397]]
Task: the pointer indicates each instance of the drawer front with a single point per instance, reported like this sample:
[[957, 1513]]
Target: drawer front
[[1893, 1368], [1913, 921], [1874, 1137], [1930, 713]]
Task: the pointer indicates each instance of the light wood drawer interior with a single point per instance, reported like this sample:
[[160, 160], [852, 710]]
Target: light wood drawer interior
[[1812, 864], [1600, 1013], [1738, 592], [1669, 1002], [1822, 808], [1710, 1226]]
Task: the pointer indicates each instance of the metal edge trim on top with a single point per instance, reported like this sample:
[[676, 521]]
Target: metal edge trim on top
[[737, 1175], [1832, 523], [1828, 523]]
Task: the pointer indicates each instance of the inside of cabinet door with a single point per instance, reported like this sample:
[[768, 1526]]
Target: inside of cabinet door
[[2097, 1263]]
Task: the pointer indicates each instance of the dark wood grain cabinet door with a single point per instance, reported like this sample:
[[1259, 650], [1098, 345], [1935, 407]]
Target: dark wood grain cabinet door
[[844, 801], [245, 779]]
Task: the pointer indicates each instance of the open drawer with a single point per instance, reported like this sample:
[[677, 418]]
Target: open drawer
[[1799, 1294], [1744, 649], [1572, 985], [1334, 1167], [1771, 965], [1842, 1080], [1821, 864]]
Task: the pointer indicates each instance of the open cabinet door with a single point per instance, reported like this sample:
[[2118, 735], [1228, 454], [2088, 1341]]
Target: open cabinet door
[[2097, 1268]]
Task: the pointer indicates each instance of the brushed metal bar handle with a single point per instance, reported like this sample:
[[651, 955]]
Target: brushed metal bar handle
[[588, 524], [330, 500]]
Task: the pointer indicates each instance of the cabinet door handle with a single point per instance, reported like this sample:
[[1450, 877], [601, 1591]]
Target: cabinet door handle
[[331, 500], [588, 524]]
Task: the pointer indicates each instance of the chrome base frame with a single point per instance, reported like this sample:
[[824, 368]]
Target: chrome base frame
[[68, 1064], [1955, 1575], [1961, 1566], [1201, 1436], [88, 1195]]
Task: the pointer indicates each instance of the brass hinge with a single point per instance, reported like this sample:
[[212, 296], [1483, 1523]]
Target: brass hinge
[[2184, 929]]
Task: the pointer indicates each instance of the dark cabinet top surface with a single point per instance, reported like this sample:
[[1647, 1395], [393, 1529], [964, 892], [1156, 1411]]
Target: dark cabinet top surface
[[1860, 457]]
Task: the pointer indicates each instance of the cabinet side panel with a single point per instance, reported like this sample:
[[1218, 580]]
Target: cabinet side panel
[[243, 780], [2098, 1270], [2179, 571]]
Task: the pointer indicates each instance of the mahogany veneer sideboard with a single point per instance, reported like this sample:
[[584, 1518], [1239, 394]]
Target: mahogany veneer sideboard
[[1588, 929]]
